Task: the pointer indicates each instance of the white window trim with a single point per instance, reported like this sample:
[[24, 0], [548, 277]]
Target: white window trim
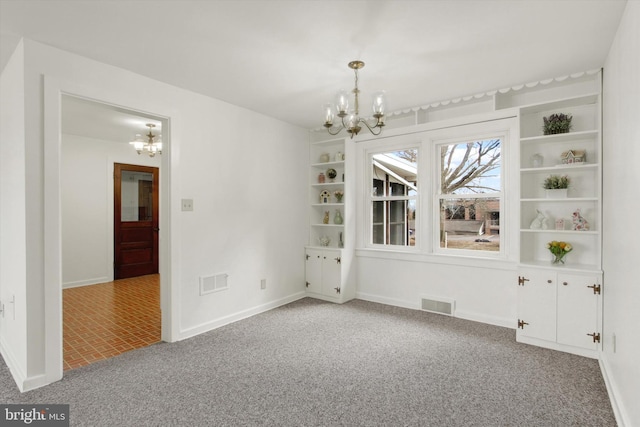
[[503, 124], [385, 145]]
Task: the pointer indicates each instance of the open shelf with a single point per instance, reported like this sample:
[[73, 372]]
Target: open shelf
[[560, 137], [561, 167], [554, 231]]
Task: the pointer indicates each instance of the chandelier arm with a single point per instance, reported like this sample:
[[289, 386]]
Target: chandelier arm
[[339, 129], [372, 128]]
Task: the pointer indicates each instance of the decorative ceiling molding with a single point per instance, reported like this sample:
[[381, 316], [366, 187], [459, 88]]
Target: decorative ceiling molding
[[493, 92]]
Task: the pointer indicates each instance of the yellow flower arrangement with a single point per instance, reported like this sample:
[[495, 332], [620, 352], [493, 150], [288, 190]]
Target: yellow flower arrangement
[[559, 250]]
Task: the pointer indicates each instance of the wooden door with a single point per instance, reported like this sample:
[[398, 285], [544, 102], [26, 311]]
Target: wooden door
[[136, 190]]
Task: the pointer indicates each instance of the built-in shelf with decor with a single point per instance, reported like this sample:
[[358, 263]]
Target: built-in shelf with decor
[[559, 305], [330, 274]]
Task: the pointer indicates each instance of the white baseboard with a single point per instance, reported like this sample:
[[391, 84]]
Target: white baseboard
[[214, 324], [18, 375], [79, 283], [612, 390], [23, 382], [387, 301], [467, 315], [483, 318]]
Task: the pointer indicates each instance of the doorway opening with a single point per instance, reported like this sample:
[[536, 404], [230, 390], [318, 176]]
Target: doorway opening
[[111, 286]]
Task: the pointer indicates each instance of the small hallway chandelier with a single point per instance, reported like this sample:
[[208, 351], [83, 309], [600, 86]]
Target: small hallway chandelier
[[152, 144], [350, 119]]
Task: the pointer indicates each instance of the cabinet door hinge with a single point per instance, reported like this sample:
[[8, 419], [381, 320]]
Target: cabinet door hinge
[[521, 280], [307, 284], [338, 260], [337, 290], [307, 256], [521, 324], [595, 336], [596, 289]]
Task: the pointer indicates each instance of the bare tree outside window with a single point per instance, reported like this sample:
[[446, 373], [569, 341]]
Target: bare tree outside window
[[470, 167], [469, 199]]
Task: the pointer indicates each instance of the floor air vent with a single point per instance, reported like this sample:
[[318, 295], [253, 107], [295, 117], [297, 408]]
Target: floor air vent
[[438, 305]]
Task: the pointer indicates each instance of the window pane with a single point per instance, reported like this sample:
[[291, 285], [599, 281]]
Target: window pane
[[471, 224], [393, 222], [378, 223], [394, 175], [397, 222], [137, 196], [472, 167]]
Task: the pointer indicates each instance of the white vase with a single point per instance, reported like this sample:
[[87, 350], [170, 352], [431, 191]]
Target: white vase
[[559, 193]]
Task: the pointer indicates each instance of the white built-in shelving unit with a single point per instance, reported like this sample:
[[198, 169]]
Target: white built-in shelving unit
[[330, 274], [559, 305]]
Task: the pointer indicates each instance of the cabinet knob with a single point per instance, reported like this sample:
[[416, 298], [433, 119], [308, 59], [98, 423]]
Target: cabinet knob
[[549, 281], [565, 283]]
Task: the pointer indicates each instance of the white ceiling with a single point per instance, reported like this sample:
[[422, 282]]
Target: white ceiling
[[286, 58]]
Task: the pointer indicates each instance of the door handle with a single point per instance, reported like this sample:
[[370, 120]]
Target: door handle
[[156, 229]]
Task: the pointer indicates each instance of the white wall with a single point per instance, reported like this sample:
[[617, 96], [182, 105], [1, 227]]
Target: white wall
[[13, 325], [241, 169], [621, 247], [87, 206], [483, 288], [483, 294]]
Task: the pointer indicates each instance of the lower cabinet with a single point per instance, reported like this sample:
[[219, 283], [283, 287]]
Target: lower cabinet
[[560, 310], [324, 272]]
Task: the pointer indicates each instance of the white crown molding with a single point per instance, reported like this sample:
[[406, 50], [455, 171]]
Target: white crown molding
[[489, 93]]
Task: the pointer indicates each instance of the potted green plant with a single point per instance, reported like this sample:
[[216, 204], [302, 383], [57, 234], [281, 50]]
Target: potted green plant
[[556, 186], [557, 123]]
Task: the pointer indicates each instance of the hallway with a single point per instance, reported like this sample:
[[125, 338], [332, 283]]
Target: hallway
[[104, 320]]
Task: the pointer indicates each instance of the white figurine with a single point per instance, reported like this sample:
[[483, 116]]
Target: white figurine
[[540, 222]]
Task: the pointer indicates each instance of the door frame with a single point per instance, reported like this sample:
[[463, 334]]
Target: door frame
[[118, 168], [54, 88]]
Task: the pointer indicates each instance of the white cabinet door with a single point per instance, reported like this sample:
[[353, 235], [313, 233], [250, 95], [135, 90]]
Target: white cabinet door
[[331, 273], [313, 271], [537, 305], [577, 310]]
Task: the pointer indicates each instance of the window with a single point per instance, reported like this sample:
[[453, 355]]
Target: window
[[469, 200], [393, 197], [440, 193]]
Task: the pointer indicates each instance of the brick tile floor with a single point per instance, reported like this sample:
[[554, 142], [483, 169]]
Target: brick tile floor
[[104, 320]]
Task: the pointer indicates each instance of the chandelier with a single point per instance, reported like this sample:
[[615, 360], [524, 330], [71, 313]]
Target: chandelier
[[350, 119], [150, 143]]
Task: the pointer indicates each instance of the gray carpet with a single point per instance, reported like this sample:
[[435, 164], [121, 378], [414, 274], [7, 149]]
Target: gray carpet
[[312, 363]]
